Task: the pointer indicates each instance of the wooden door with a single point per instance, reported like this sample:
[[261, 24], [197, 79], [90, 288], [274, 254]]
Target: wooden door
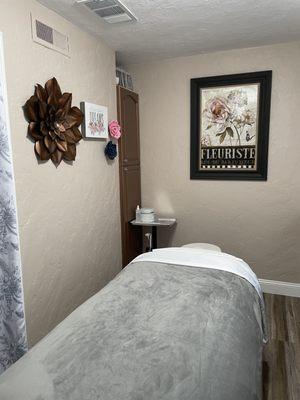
[[130, 173]]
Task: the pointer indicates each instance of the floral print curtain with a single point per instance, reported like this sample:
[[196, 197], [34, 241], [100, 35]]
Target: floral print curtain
[[13, 342]]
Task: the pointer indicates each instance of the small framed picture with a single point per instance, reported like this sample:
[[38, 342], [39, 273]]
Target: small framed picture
[[95, 124], [230, 126]]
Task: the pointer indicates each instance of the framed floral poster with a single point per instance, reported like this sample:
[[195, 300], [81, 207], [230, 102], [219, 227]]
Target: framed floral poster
[[95, 124], [230, 126]]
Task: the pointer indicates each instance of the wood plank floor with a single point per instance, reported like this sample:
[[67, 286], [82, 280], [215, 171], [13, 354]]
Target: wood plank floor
[[281, 357]]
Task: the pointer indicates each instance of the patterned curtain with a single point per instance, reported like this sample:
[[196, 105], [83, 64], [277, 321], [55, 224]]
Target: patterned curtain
[[13, 342]]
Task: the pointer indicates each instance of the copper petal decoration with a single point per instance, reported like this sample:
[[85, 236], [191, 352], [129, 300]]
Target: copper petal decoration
[[53, 122]]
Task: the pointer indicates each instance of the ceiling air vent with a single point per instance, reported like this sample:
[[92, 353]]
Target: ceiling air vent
[[49, 37], [112, 11]]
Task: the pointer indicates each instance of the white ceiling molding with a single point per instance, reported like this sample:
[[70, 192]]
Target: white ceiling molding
[[172, 28]]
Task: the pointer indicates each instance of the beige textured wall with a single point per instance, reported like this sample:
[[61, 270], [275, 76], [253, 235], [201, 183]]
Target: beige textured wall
[[258, 221], [69, 216]]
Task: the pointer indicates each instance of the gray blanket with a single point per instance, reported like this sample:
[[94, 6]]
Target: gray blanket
[[155, 332]]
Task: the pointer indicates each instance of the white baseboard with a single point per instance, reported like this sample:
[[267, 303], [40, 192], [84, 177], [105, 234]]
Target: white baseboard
[[283, 288]]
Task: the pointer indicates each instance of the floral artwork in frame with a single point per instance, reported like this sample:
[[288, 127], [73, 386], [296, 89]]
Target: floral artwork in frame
[[95, 121], [230, 126]]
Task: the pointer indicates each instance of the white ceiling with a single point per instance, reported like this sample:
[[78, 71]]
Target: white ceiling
[[171, 28]]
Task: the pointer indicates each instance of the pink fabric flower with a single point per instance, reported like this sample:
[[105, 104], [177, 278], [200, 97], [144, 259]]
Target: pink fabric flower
[[114, 129]]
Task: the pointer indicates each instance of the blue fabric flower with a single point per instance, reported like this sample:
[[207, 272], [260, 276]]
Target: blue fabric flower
[[111, 150]]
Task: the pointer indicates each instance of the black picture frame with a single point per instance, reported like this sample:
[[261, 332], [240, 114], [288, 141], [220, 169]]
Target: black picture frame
[[264, 79]]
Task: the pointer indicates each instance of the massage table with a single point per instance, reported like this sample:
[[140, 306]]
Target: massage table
[[175, 324]]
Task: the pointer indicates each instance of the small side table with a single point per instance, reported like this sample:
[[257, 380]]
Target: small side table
[[157, 222]]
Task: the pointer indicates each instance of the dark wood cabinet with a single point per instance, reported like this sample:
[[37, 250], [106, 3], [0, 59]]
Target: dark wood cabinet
[[129, 117], [131, 188], [130, 173]]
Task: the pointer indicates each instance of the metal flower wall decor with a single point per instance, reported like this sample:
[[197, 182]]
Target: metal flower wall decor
[[53, 123]]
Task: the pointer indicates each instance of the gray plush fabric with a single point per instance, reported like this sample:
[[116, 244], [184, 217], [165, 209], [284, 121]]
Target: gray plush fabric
[[156, 331]]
